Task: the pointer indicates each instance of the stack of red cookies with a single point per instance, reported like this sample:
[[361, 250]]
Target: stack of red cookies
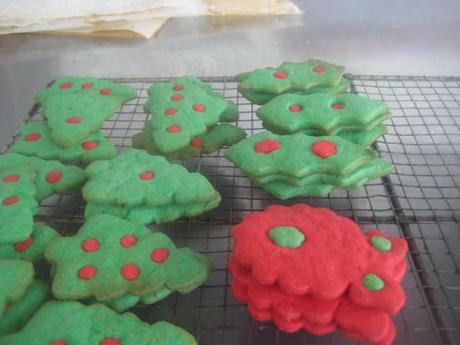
[[308, 268]]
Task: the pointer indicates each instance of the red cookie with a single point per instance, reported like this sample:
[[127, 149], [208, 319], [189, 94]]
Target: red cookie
[[308, 268], [307, 250]]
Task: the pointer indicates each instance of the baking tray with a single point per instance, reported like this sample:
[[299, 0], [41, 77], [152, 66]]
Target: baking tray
[[420, 201]]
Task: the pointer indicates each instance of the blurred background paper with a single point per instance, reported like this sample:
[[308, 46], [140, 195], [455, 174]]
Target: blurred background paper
[[121, 18]]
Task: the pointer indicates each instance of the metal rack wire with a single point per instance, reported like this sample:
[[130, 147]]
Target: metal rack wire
[[420, 201]]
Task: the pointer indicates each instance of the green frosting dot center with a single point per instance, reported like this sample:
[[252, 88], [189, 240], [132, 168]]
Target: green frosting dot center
[[286, 236], [380, 243], [373, 282]]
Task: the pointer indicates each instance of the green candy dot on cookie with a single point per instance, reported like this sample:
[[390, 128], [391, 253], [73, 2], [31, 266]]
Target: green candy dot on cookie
[[286, 236], [373, 282], [381, 243]]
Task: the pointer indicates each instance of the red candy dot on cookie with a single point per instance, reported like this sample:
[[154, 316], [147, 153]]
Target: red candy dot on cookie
[[178, 87], [128, 241], [24, 245], [324, 148], [170, 111], [159, 255], [86, 86], [146, 175], [10, 200], [88, 145], [176, 98], [199, 107], [105, 92], [87, 272], [130, 271], [280, 75], [90, 245], [33, 136], [58, 342], [53, 176], [267, 146], [338, 106], [11, 178], [196, 143], [110, 341], [295, 108], [66, 85], [318, 69], [174, 129], [73, 120]]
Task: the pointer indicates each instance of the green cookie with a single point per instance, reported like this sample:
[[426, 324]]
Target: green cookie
[[20, 312], [299, 163], [15, 278], [35, 140], [51, 176], [261, 98], [17, 203], [146, 214], [322, 114], [31, 249], [110, 257], [183, 109], [218, 136], [72, 323], [136, 178], [287, 77], [75, 107]]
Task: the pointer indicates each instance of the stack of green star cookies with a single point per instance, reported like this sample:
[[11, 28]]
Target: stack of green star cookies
[[145, 189], [298, 164], [187, 118], [354, 118], [74, 109], [311, 76]]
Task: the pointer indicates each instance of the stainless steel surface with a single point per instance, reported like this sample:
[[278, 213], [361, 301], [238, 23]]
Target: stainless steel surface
[[411, 37], [420, 201]]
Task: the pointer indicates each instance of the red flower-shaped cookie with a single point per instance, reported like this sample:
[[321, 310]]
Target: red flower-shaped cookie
[[305, 250]]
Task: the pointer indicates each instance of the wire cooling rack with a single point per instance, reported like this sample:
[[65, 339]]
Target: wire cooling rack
[[420, 201]]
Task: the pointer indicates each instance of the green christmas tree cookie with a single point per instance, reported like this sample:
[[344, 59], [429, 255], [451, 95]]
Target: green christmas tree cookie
[[20, 312], [72, 323], [110, 257], [220, 135], [298, 164], [32, 248], [138, 180], [17, 203], [35, 140], [183, 109], [75, 107], [357, 118], [50, 176], [15, 278], [311, 76]]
